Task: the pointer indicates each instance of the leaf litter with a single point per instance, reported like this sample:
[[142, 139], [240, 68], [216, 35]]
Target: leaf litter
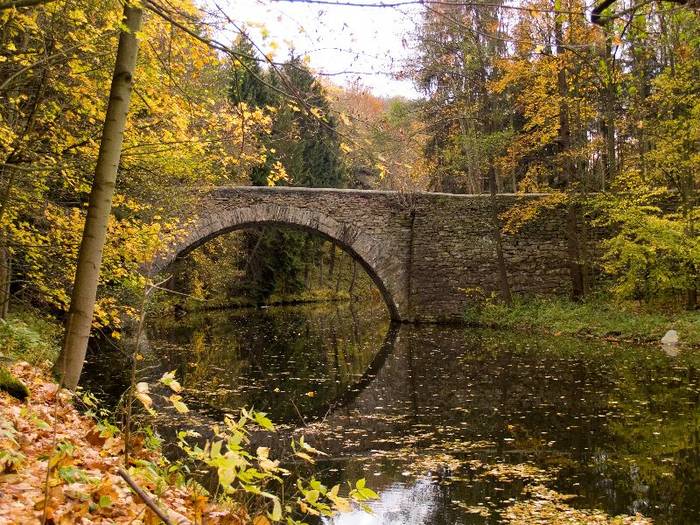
[[82, 486]]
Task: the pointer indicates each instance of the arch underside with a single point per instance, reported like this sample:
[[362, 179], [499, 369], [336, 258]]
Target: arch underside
[[361, 248]]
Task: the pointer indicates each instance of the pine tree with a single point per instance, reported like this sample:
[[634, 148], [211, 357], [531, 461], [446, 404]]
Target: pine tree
[[304, 142]]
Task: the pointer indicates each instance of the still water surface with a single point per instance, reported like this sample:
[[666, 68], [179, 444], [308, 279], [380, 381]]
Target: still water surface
[[452, 425]]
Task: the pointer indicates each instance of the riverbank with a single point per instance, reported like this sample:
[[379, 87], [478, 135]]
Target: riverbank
[[598, 317], [60, 464], [65, 459], [306, 297]]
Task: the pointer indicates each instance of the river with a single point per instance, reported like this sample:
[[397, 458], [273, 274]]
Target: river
[[451, 425]]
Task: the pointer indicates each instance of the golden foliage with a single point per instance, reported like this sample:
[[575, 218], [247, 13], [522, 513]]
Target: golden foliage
[[182, 135]]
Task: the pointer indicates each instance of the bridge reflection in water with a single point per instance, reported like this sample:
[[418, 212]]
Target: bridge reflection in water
[[419, 410]]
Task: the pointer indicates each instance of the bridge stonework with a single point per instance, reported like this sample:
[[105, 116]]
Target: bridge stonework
[[423, 250]]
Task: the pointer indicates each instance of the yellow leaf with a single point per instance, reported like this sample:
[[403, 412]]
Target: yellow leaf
[[305, 456], [178, 404]]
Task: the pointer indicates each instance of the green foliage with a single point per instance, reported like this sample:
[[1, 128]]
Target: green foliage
[[302, 149], [72, 474], [247, 77], [652, 252], [11, 459], [28, 337], [258, 481], [275, 264], [240, 473], [597, 317]]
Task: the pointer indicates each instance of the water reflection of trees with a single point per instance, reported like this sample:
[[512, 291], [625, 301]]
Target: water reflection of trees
[[291, 362], [621, 422]]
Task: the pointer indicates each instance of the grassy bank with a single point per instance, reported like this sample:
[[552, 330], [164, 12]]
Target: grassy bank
[[598, 317], [26, 336]]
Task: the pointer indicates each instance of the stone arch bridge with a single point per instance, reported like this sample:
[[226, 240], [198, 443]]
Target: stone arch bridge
[[424, 251]]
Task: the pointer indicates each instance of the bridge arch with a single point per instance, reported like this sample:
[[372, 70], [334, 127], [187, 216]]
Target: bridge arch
[[361, 246]]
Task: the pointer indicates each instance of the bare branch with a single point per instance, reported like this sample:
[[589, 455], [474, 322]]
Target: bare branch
[[16, 4], [168, 517]]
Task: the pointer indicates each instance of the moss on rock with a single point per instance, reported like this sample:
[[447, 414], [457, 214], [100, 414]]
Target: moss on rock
[[12, 385]]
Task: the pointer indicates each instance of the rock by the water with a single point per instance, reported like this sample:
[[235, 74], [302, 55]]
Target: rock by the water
[[670, 338]]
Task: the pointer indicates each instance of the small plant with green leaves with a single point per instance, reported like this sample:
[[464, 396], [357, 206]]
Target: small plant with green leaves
[[26, 337], [11, 458], [257, 482]]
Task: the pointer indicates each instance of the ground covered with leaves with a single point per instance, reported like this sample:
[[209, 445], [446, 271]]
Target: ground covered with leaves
[[58, 466]]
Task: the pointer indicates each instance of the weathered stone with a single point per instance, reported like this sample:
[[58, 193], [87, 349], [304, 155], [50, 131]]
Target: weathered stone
[[423, 250]]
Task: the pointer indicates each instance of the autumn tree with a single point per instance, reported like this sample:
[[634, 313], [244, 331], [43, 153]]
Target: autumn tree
[[383, 139], [580, 109], [82, 305], [181, 128]]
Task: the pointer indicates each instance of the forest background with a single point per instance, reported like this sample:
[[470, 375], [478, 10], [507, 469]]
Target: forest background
[[530, 98]]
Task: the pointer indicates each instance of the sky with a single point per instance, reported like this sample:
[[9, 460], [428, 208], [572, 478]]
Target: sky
[[344, 43]]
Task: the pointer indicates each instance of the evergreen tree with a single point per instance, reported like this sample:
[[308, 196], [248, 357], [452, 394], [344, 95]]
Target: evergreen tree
[[247, 85], [304, 142]]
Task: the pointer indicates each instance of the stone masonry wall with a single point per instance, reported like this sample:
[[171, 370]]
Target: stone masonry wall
[[423, 250], [454, 251]]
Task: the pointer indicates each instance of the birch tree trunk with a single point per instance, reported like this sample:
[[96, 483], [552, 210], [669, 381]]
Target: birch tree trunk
[[82, 306]]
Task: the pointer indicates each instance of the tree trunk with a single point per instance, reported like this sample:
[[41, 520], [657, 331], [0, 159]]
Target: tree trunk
[[610, 152], [338, 276], [331, 263], [5, 280], [307, 249], [574, 252], [584, 255], [320, 266], [691, 302], [503, 284], [252, 268], [689, 200], [566, 166], [564, 138], [82, 306]]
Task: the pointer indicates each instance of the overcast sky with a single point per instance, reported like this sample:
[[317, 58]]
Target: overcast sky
[[368, 43]]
